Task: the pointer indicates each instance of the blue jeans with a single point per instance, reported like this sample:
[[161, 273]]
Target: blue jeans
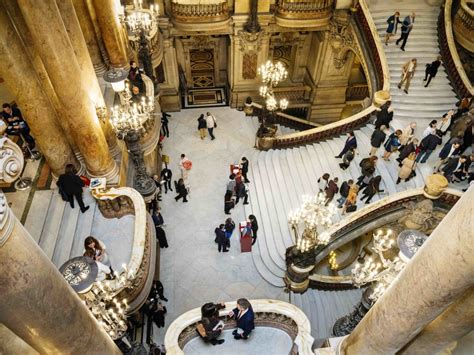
[[341, 201], [425, 154]]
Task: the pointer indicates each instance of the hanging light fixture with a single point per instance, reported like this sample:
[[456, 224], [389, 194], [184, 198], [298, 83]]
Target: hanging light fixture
[[138, 19], [272, 74]]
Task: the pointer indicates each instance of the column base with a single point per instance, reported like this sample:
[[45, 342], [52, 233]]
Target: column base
[[100, 69], [110, 174]]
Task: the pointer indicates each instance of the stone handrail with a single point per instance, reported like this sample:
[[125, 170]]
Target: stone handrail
[[304, 9], [116, 203], [457, 75], [192, 12], [357, 92], [367, 27], [287, 120], [463, 26], [268, 313]]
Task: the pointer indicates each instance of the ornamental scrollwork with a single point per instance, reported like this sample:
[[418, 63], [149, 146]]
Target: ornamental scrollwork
[[342, 40]]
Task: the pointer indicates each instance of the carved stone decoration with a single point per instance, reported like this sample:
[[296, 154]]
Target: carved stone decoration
[[11, 161], [421, 216], [435, 185], [250, 41], [341, 38], [201, 42], [345, 325], [249, 65], [6, 220]]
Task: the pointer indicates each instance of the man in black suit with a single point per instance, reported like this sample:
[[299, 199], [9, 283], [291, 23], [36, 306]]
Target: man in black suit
[[245, 318], [166, 175], [164, 124], [455, 168], [221, 239], [428, 145], [384, 116], [16, 125], [351, 142], [449, 150], [431, 70], [244, 166]]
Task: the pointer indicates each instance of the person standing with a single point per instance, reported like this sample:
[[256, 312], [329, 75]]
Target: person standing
[[408, 72], [367, 166], [229, 227], [157, 291], [164, 124], [244, 317], [427, 146], [331, 190], [71, 186], [231, 184], [372, 188], [202, 126], [445, 122], [407, 26], [407, 135], [431, 129], [323, 182], [347, 158], [212, 326], [393, 22], [181, 190], [384, 115], [344, 191], [407, 171], [254, 226], [185, 166], [392, 144], [351, 202], [377, 138], [229, 202], [241, 192], [449, 150], [351, 142], [211, 124], [135, 75], [221, 239], [244, 168], [431, 70], [166, 176], [160, 232]]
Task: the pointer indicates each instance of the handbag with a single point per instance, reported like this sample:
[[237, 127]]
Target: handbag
[[351, 208]]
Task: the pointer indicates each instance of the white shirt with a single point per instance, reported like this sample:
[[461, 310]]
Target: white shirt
[[428, 130], [453, 148], [210, 121]]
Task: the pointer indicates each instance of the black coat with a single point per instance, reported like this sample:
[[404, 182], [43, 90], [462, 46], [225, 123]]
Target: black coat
[[161, 236], [70, 184], [367, 167], [166, 174], [254, 225], [383, 118], [451, 166], [406, 151], [443, 154], [344, 189], [220, 236], [180, 189], [378, 137], [245, 166], [430, 142], [432, 68], [202, 123]]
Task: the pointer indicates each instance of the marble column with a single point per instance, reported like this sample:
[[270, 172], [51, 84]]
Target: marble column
[[88, 75], [52, 43], [454, 323], [23, 82], [10, 343], [90, 37], [112, 31], [440, 272], [38, 305], [13, 10]]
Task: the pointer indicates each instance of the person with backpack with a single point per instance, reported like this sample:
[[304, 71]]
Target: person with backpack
[[377, 138], [347, 158], [344, 191], [392, 144], [367, 166]]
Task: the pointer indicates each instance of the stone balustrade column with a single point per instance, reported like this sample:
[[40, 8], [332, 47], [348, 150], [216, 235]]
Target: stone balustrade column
[[73, 27], [23, 82], [454, 323], [439, 273], [113, 34], [53, 45], [87, 27], [38, 305]]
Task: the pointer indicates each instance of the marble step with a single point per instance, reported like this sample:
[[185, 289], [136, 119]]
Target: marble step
[[84, 225], [37, 214], [52, 224], [65, 238]]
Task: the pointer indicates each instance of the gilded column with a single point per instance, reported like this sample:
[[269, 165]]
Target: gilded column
[[21, 78], [88, 75], [439, 273], [53, 44], [90, 37], [112, 31], [454, 323]]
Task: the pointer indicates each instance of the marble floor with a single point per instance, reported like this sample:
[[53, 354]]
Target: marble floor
[[193, 272], [262, 340]]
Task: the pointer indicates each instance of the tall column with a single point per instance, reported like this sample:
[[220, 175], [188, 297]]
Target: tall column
[[112, 31], [38, 305], [53, 44], [21, 78], [440, 272], [454, 323], [90, 37], [88, 75], [10, 343]]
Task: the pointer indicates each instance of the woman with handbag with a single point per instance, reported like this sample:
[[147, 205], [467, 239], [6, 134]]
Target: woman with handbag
[[392, 144], [407, 171], [393, 22], [351, 202]]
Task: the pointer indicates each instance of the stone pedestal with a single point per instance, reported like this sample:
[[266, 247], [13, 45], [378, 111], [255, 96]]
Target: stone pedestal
[[440, 272], [381, 97], [37, 304], [54, 46], [297, 279], [23, 82], [113, 34], [434, 186]]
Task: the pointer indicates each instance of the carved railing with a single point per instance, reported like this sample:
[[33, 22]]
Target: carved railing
[[284, 119], [304, 9], [268, 313], [119, 202], [456, 73], [367, 27], [200, 12], [357, 92]]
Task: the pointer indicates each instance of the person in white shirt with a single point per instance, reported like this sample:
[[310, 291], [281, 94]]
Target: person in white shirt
[[184, 166], [445, 122], [211, 124], [431, 129], [408, 72]]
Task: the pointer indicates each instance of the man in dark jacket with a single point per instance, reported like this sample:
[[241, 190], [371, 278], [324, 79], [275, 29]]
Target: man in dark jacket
[[71, 185], [455, 168], [384, 116], [331, 190], [245, 318], [221, 239], [164, 124], [241, 192], [351, 142], [377, 138], [244, 167], [427, 145], [210, 321], [431, 70], [16, 125], [407, 26], [166, 175], [449, 150], [344, 191]]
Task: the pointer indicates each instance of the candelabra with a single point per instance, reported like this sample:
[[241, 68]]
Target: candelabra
[[383, 271], [272, 74], [332, 260], [312, 216]]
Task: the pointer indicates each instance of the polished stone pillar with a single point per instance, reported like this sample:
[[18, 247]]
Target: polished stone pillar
[[21, 78], [112, 31], [440, 272], [53, 44], [90, 37], [10, 343], [88, 75], [38, 305], [454, 323]]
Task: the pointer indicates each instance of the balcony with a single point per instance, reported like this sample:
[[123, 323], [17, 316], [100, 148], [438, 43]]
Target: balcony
[[304, 13], [189, 16]]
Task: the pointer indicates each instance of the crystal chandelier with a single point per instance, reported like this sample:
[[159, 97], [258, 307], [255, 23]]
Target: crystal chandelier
[[382, 272], [313, 217], [272, 74], [138, 19]]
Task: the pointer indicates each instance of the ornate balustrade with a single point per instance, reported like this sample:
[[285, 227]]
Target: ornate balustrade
[[372, 41], [463, 26], [213, 12], [308, 13], [461, 83], [285, 119], [357, 92], [268, 313], [116, 203]]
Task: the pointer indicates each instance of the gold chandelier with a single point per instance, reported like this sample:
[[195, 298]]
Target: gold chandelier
[[272, 74]]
